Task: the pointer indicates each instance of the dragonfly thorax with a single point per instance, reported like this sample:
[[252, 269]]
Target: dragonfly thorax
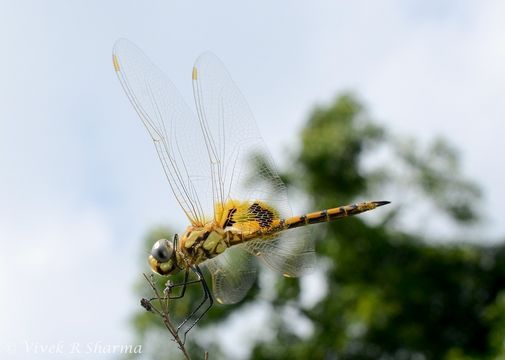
[[196, 245], [202, 243]]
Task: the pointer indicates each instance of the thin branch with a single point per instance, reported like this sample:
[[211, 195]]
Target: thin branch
[[163, 312]]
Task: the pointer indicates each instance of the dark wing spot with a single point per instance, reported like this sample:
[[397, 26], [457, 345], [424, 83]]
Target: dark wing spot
[[264, 216], [229, 218]]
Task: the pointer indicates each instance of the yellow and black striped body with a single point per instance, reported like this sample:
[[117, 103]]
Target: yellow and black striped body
[[238, 221], [314, 218]]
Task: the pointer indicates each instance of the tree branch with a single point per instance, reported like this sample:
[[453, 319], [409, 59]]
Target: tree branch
[[163, 312]]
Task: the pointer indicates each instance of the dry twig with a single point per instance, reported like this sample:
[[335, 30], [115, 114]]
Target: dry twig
[[162, 311]]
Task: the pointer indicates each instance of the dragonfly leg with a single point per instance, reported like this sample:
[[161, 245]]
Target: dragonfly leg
[[207, 296], [184, 285], [169, 286], [183, 291]]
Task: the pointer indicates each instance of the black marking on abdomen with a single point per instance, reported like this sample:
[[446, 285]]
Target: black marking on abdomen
[[339, 214], [297, 223], [229, 218], [317, 219], [264, 216]]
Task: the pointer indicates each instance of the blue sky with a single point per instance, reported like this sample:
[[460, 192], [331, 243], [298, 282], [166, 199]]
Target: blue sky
[[80, 181]]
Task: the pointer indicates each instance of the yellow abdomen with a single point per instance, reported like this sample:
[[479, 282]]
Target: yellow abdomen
[[245, 216]]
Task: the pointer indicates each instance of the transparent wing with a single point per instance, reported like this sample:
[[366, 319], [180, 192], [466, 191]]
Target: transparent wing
[[233, 141], [290, 252], [211, 159], [172, 126], [243, 169], [233, 273]]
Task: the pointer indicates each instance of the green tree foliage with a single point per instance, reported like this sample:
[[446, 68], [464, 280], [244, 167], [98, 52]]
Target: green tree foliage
[[390, 293]]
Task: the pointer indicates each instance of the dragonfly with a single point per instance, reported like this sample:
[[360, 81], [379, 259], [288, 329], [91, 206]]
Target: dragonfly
[[224, 179]]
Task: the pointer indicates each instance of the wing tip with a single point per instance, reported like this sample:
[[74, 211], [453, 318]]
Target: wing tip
[[115, 61]]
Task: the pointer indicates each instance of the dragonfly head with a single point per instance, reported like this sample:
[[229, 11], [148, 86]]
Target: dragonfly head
[[163, 258]]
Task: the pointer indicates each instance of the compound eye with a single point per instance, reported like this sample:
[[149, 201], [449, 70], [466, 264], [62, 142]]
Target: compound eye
[[162, 250]]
